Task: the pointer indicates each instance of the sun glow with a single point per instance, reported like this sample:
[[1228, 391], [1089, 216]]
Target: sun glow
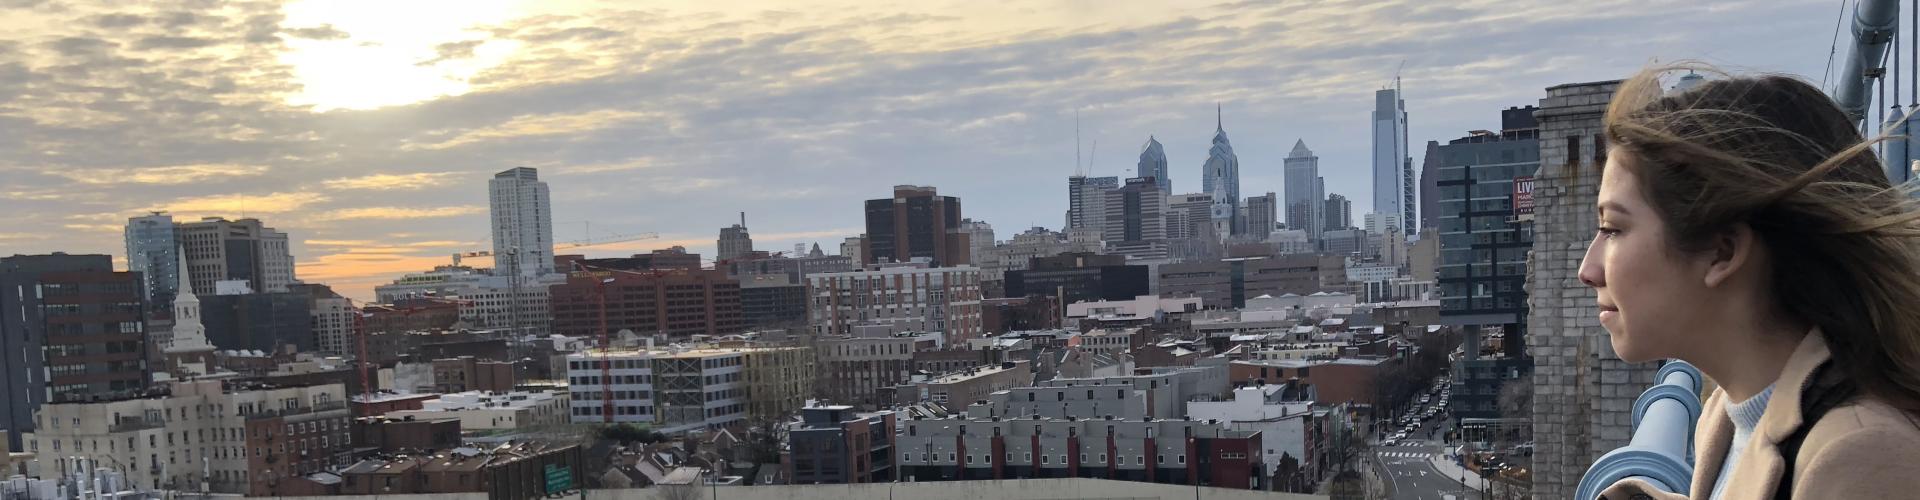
[[391, 54]]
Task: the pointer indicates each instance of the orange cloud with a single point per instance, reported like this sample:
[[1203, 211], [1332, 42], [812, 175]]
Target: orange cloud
[[174, 175], [391, 182], [388, 213], [238, 203]]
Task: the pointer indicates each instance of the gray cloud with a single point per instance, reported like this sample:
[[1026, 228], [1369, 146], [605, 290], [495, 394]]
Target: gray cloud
[[673, 121], [172, 42], [322, 32], [451, 51]]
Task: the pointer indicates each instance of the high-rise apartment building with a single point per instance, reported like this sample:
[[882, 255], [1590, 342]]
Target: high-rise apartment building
[[1135, 213], [915, 223], [522, 223], [1306, 205], [244, 250], [1339, 213], [1087, 201], [1263, 215], [74, 329], [153, 252]]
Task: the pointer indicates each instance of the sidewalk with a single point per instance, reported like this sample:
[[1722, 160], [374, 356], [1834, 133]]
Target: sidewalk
[[1445, 465]]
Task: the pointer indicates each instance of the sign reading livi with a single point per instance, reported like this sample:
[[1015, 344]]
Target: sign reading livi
[[1523, 197]]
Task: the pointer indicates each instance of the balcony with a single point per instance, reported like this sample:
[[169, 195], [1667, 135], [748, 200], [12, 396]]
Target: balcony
[[1661, 450]]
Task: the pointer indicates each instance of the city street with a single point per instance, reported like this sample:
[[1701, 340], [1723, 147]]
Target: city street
[[1410, 474], [1407, 467]]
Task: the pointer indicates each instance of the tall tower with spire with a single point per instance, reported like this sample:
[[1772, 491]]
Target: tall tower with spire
[[1220, 177], [189, 353]]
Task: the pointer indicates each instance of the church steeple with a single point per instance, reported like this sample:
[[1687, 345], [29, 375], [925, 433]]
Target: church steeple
[[188, 354]]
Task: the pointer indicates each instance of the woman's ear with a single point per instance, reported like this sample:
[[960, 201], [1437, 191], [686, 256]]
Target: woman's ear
[[1731, 252]]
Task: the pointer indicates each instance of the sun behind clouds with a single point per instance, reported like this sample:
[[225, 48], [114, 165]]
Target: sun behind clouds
[[392, 53]]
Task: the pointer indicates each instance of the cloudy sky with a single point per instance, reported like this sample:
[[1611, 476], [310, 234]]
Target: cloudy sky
[[367, 130]]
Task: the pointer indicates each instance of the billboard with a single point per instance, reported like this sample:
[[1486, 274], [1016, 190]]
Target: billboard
[[1523, 197]]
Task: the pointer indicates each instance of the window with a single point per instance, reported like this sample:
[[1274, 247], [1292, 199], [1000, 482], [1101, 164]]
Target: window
[[906, 457], [1160, 459], [1139, 459], [1029, 457], [1043, 459], [1083, 458], [1103, 458], [1183, 459]]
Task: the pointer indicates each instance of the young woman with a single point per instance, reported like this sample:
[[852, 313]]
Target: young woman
[[1746, 227]]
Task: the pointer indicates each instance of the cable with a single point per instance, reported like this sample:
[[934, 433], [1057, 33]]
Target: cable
[[1833, 47]]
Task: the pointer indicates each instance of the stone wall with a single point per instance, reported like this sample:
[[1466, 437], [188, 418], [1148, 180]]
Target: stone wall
[[1583, 394]]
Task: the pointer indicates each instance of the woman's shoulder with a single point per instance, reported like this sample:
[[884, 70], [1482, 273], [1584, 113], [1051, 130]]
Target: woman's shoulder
[[1865, 447]]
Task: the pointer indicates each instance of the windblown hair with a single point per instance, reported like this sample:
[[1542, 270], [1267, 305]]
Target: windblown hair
[[1779, 155]]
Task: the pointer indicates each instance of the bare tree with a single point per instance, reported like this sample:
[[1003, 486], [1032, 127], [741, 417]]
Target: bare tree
[[1516, 401]]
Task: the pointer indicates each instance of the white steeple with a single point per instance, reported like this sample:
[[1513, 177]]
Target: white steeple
[[189, 335]]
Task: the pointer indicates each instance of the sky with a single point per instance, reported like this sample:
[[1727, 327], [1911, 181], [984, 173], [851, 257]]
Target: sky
[[368, 130]]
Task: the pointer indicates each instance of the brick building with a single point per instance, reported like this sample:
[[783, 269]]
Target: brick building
[[673, 304], [467, 373]]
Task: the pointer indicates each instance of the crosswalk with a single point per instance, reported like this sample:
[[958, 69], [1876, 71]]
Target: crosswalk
[[1405, 454]]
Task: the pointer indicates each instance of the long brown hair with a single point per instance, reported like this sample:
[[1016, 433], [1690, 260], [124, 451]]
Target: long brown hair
[[1777, 154]]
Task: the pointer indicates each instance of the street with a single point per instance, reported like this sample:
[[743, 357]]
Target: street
[[1408, 468]]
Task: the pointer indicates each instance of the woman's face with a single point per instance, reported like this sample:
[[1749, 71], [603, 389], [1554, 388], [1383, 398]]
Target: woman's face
[[1645, 287]]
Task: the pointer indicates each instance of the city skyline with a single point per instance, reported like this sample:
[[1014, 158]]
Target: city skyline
[[676, 119]]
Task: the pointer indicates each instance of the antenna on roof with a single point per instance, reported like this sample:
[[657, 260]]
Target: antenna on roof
[[1077, 171]]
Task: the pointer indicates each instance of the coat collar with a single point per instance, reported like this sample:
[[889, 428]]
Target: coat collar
[[1783, 412], [1760, 465]]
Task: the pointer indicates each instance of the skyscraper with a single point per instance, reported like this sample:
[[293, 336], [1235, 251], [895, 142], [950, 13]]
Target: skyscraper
[[1136, 212], [247, 250], [1263, 215], [734, 241], [1429, 189], [522, 223], [1086, 201], [1306, 204], [1153, 163], [153, 252], [1482, 258], [1392, 168], [916, 222], [1339, 213], [1221, 178]]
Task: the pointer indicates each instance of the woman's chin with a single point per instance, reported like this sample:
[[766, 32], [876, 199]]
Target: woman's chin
[[1626, 349]]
